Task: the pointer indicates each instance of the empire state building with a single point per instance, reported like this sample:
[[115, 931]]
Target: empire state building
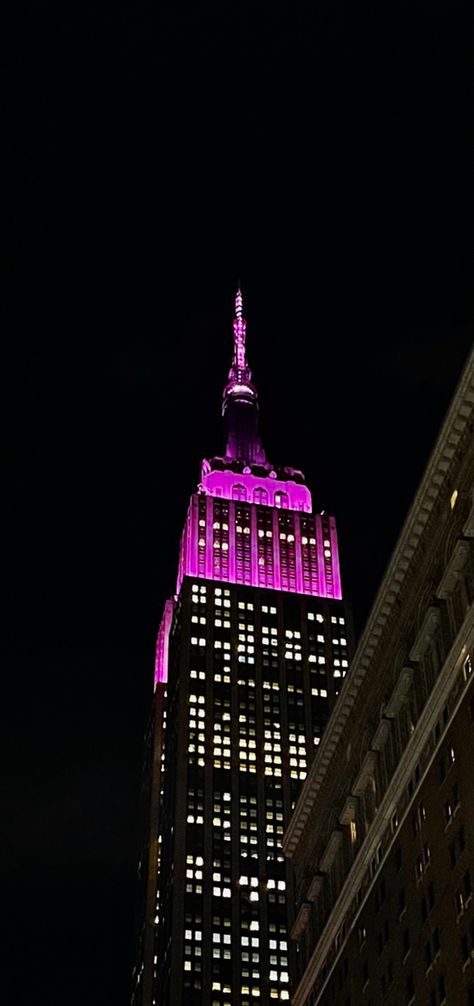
[[251, 653]]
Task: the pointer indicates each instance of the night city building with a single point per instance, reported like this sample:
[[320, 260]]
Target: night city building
[[382, 836], [251, 654]]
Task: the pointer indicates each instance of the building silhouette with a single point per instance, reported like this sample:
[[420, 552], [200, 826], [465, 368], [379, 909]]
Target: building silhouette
[[251, 654], [382, 836]]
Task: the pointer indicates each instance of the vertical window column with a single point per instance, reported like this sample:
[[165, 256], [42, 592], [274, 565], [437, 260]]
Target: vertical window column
[[232, 573], [298, 557], [209, 551], [276, 551], [253, 545]]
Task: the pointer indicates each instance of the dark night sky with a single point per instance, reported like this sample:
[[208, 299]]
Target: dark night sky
[[153, 154]]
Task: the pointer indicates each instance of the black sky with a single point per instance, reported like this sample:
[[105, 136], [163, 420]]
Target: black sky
[[153, 154]]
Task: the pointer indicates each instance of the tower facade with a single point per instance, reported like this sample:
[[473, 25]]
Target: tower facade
[[251, 654]]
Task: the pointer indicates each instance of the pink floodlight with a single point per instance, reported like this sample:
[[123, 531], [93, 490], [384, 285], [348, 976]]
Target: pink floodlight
[[161, 655]]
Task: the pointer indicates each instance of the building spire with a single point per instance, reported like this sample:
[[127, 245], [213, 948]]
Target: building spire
[[240, 399], [240, 326], [238, 303]]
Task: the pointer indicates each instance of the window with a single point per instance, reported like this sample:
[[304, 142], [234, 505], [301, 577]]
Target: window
[[260, 495], [380, 895], [387, 977], [239, 492], [409, 988], [402, 905], [457, 846], [467, 943], [383, 937], [376, 860], [422, 862], [446, 761], [281, 499], [418, 818], [432, 948], [427, 902], [463, 894], [405, 943]]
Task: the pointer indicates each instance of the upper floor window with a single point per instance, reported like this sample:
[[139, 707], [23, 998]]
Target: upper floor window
[[457, 847], [239, 492], [260, 495], [281, 499]]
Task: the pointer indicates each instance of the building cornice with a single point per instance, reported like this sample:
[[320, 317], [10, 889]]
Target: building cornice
[[434, 485], [391, 798]]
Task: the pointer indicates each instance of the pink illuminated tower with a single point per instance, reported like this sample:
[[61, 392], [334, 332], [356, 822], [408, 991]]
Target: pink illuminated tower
[[250, 655]]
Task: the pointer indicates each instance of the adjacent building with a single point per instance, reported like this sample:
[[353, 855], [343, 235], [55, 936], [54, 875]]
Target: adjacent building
[[252, 652], [382, 836]]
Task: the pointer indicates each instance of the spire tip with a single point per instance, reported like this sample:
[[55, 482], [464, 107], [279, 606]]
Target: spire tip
[[238, 303]]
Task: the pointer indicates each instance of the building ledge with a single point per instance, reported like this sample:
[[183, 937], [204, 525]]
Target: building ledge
[[426, 633], [453, 570], [366, 773], [400, 692], [349, 811], [301, 921], [380, 736], [315, 887], [330, 852], [468, 528]]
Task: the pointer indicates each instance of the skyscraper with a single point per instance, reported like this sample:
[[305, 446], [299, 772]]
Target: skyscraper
[[251, 651]]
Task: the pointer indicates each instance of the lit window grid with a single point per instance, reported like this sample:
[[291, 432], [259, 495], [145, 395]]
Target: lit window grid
[[222, 742], [274, 819], [302, 561], [220, 542], [265, 548], [273, 764], [251, 642]]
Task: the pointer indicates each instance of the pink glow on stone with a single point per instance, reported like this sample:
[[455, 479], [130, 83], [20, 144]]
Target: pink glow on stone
[[320, 548], [298, 556], [223, 483], [336, 571], [276, 551], [161, 654], [209, 537], [328, 583], [253, 545]]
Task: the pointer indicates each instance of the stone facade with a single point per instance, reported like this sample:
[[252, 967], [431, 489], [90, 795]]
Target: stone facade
[[382, 836]]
